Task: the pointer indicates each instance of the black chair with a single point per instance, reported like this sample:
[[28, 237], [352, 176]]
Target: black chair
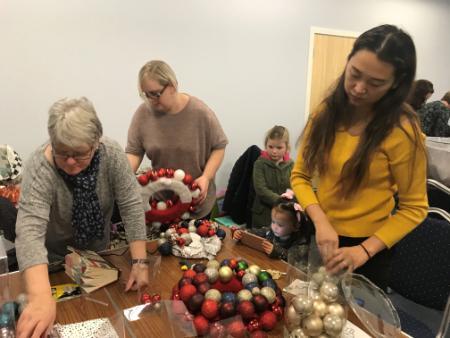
[[438, 195], [420, 272]]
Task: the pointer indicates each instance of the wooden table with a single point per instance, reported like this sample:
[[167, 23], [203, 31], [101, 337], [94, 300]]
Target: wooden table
[[106, 304]]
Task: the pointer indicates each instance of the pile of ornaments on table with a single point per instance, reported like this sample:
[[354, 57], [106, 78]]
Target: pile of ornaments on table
[[206, 234], [320, 313], [9, 314], [216, 294]]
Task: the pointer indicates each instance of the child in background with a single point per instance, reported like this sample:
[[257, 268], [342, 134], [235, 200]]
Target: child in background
[[271, 175], [288, 231]]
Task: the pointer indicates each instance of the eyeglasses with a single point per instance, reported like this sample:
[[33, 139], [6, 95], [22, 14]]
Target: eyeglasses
[[155, 94], [78, 157]]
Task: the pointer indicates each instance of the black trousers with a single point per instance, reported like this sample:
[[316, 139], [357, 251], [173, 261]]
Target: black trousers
[[377, 268]]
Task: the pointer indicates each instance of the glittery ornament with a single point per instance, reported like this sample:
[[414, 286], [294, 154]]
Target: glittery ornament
[[269, 293], [270, 283], [212, 273], [320, 308], [303, 305], [268, 320], [229, 297], [249, 278], [312, 325], [278, 311], [329, 292], [336, 309], [244, 295], [254, 269], [217, 330], [225, 274], [236, 329], [333, 324], [253, 325]]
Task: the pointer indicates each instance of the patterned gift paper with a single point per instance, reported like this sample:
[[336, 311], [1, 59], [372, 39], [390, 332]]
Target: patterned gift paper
[[96, 328]]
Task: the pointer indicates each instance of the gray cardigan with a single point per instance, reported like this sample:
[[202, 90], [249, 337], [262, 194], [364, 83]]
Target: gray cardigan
[[43, 226]]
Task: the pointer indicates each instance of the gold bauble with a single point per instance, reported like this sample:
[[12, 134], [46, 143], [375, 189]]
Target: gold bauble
[[320, 308], [333, 324], [312, 325], [336, 309]]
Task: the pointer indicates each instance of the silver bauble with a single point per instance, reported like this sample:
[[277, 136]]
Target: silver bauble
[[298, 333], [213, 264], [161, 241], [192, 222], [320, 308], [336, 309], [303, 305], [170, 232], [249, 278], [256, 291], [314, 295], [269, 293], [254, 269], [244, 294], [333, 324], [293, 319], [312, 325], [187, 239], [192, 228], [225, 274], [212, 273], [318, 278], [329, 292], [213, 294]]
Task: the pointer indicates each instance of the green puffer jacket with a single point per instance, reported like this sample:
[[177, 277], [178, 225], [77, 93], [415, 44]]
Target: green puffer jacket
[[270, 181]]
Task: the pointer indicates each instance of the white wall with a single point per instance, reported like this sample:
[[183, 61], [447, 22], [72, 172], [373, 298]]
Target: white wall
[[246, 58]]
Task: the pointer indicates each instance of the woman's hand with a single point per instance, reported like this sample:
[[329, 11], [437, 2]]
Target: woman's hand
[[267, 247], [138, 279], [327, 240], [237, 235], [203, 184], [347, 258], [37, 318]]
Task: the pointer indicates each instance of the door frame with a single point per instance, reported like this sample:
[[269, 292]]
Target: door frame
[[325, 31]]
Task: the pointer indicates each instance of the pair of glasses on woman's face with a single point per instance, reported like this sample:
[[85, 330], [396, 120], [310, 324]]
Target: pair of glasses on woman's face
[[78, 157], [155, 94]]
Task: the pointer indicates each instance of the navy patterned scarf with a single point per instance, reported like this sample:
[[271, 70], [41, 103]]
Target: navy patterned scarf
[[87, 217]]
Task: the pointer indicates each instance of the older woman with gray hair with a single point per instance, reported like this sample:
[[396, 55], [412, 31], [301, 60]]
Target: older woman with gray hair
[[69, 188]]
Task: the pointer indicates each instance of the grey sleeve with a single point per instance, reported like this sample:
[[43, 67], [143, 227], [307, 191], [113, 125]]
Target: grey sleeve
[[127, 196], [33, 216]]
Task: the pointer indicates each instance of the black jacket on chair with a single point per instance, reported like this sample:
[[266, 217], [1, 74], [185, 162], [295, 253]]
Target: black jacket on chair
[[240, 192]]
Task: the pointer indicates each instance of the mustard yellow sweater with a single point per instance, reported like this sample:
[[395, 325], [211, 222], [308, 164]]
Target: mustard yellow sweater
[[369, 210]]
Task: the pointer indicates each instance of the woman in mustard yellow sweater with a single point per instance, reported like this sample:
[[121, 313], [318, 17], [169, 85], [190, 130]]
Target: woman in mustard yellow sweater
[[365, 146]]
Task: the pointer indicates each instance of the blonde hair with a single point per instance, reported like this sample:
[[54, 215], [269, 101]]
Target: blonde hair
[[278, 133], [159, 71], [74, 122]]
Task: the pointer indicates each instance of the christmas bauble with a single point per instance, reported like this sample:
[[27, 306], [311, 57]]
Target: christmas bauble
[[320, 308], [189, 274], [246, 309], [203, 288], [263, 276], [329, 292], [254, 269], [179, 175], [253, 325], [303, 305], [195, 303], [312, 325], [217, 330], [212, 274], [229, 297], [161, 205], [270, 283], [187, 238], [258, 334], [269, 293], [293, 319], [336, 309], [200, 278], [244, 294], [221, 233], [184, 281], [333, 324], [210, 308], [318, 277], [227, 309], [187, 291], [165, 249], [242, 265], [213, 264], [236, 329], [261, 303], [201, 325], [249, 278], [202, 230], [298, 333], [214, 295], [225, 274], [268, 320], [200, 267]]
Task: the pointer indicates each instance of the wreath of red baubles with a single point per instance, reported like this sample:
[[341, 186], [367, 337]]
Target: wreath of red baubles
[[172, 210], [216, 293]]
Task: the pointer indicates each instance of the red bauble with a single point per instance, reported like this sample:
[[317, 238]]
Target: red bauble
[[217, 330], [246, 309], [200, 278], [195, 303], [181, 242], [145, 298], [210, 308], [236, 329], [187, 291], [153, 203], [234, 285], [184, 281], [189, 274], [227, 309], [187, 179], [161, 172], [192, 208], [261, 303], [169, 203], [211, 232], [176, 296], [143, 179], [201, 325], [233, 264], [170, 172], [194, 186], [156, 298], [202, 230], [253, 325], [258, 334], [153, 175], [268, 320], [203, 288], [240, 274], [277, 310], [181, 231]]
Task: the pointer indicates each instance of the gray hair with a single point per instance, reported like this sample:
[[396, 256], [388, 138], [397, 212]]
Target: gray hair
[[74, 122], [159, 71]]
